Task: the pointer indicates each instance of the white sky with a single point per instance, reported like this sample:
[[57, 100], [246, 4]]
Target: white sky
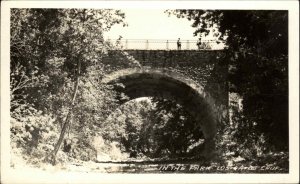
[[152, 24]]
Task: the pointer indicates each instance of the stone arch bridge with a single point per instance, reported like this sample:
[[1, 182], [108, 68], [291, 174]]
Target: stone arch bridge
[[197, 79]]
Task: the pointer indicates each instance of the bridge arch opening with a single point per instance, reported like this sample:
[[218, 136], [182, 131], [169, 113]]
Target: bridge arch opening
[[155, 128], [169, 85]]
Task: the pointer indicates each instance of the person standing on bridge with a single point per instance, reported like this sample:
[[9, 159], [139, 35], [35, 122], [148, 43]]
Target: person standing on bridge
[[178, 44], [199, 43]]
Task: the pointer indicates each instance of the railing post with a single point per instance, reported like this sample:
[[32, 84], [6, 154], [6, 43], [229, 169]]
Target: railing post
[[167, 45], [147, 44], [187, 45]]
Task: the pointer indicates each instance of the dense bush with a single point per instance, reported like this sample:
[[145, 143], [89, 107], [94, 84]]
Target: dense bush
[[33, 135], [154, 128]]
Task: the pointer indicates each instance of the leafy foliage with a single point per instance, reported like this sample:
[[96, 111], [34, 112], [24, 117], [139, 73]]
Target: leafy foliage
[[154, 128], [34, 134]]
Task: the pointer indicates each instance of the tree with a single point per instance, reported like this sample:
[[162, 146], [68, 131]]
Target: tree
[[53, 53], [257, 53]]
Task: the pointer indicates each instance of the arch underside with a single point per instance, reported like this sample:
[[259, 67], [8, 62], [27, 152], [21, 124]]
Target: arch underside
[[147, 84]]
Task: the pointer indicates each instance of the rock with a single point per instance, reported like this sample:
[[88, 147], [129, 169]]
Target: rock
[[229, 163], [238, 159], [229, 154], [102, 157]]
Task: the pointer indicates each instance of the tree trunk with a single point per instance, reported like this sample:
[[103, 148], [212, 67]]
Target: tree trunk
[[52, 156]]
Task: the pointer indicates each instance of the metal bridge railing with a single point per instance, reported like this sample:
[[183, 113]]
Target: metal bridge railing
[[156, 44]]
